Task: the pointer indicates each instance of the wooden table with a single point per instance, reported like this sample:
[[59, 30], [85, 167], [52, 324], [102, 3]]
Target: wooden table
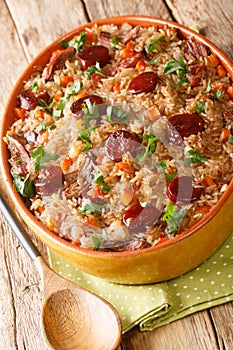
[[25, 28]]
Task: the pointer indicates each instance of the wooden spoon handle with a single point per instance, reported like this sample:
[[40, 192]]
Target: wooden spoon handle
[[20, 232]]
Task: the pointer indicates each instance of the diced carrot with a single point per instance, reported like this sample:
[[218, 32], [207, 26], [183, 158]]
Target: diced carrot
[[92, 221], [153, 114], [66, 79], [43, 136], [39, 114], [218, 86], [66, 163], [19, 113], [41, 209], [229, 91], [76, 243], [128, 51], [99, 159], [81, 95], [221, 71], [127, 196], [121, 166], [58, 95], [208, 181], [162, 239], [141, 65], [51, 224], [214, 61], [225, 134], [89, 37], [203, 209], [96, 191], [117, 87]]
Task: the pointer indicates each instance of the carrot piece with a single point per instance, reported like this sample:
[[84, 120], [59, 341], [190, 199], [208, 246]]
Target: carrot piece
[[58, 95], [81, 95], [96, 191], [208, 181], [162, 239], [141, 65], [225, 134], [221, 71], [89, 36], [229, 91], [117, 87], [128, 51], [51, 224], [218, 86], [153, 114], [214, 61], [127, 196], [19, 113], [121, 166], [66, 79], [66, 163], [92, 221]]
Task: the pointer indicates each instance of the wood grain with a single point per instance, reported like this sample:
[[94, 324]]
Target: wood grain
[[26, 28]]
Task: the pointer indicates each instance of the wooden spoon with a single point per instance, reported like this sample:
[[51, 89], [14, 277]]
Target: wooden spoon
[[73, 318]]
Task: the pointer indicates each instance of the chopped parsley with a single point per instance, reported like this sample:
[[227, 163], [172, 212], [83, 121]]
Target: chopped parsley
[[115, 40], [75, 87], [179, 67], [154, 61], [94, 69], [23, 185], [173, 218], [42, 126], [41, 157], [208, 88], [161, 166], [34, 86], [217, 95], [230, 139], [91, 111], [151, 146], [194, 157], [151, 45], [96, 241], [200, 107], [116, 112], [77, 42], [48, 107], [99, 180], [91, 207], [84, 136]]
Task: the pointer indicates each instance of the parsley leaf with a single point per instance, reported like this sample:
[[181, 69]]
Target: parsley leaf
[[34, 86], [200, 107], [96, 241], [115, 40], [151, 45], [91, 111], [161, 166], [23, 185], [77, 42], [42, 126], [179, 67], [94, 69], [194, 156], [217, 95], [208, 88], [99, 180], [84, 136], [173, 218], [45, 106], [40, 157], [154, 62], [63, 100], [151, 146], [90, 207], [230, 139], [116, 112]]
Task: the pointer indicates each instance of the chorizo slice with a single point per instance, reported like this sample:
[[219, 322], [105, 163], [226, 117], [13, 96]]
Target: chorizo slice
[[49, 180], [144, 82], [184, 125], [181, 190], [119, 143], [19, 155], [57, 61], [28, 100], [77, 107], [138, 218], [93, 54]]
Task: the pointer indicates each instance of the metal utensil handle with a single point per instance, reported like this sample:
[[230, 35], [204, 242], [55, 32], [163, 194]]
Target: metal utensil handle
[[20, 232]]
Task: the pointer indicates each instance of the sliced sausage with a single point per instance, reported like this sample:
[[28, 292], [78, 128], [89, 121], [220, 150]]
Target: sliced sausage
[[93, 54], [137, 218], [28, 100], [130, 34], [49, 180], [144, 82], [57, 61], [77, 106], [184, 125], [193, 50], [106, 39], [181, 190], [19, 155], [119, 143]]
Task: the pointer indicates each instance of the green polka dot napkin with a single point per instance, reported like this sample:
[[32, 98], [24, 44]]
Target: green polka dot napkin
[[154, 305]]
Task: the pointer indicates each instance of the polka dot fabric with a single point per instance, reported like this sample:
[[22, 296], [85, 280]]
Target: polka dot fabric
[[154, 305]]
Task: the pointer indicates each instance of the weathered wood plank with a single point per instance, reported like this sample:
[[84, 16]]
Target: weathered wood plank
[[214, 18], [107, 8], [223, 321], [40, 22]]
